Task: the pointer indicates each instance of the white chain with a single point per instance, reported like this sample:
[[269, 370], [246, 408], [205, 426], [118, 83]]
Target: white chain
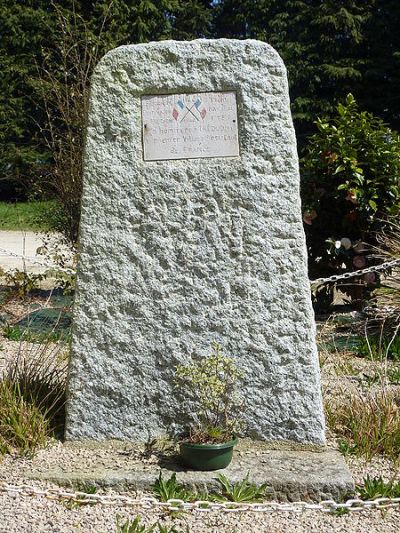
[[148, 502], [35, 261], [347, 275]]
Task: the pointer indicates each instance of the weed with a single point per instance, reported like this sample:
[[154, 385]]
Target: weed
[[341, 511], [372, 379], [370, 425], [22, 425], [166, 529], [22, 282], [377, 488], [169, 489], [11, 333], [41, 373], [323, 358], [241, 491], [160, 447], [15, 333], [135, 526], [346, 449], [378, 348], [86, 488], [393, 375], [64, 279], [32, 397], [345, 368], [201, 496]]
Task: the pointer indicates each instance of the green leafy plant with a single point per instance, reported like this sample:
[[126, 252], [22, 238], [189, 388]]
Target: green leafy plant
[[241, 491], [87, 488], [376, 487], [22, 282], [62, 253], [169, 489], [133, 526], [373, 379], [64, 279], [350, 180], [393, 375], [208, 387]]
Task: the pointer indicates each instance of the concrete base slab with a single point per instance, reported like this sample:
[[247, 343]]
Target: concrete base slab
[[290, 474]]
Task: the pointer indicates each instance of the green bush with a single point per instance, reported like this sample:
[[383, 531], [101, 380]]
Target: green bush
[[350, 181]]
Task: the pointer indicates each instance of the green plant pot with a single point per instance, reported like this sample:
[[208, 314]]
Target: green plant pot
[[208, 456]]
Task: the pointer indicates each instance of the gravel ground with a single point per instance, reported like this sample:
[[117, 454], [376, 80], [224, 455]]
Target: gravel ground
[[341, 373]]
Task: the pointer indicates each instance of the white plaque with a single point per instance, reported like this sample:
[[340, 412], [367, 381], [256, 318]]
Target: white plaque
[[186, 126]]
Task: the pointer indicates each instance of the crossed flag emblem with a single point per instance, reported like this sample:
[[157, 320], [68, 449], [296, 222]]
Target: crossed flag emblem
[[182, 110]]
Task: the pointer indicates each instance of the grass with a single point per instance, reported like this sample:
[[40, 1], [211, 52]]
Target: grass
[[32, 398], [15, 333], [22, 424], [25, 215], [367, 426], [379, 348]]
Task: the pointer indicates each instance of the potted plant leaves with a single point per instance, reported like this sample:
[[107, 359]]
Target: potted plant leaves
[[208, 388]]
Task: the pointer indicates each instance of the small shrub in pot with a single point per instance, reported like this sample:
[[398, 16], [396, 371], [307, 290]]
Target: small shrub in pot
[[209, 390]]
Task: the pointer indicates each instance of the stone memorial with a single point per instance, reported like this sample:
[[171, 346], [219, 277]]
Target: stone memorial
[[191, 233]]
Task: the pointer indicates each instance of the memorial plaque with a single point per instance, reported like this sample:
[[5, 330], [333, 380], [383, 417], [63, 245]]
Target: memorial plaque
[[188, 126]]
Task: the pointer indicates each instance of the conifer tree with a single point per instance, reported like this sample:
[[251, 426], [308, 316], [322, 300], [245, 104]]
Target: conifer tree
[[321, 41], [381, 80], [23, 28]]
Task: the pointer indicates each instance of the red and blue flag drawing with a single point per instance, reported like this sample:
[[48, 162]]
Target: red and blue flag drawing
[[196, 109]]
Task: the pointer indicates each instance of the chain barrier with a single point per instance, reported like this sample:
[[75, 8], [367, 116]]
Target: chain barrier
[[35, 261], [347, 275], [148, 502]]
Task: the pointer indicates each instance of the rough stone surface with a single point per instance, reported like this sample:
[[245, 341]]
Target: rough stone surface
[[177, 254], [289, 475]]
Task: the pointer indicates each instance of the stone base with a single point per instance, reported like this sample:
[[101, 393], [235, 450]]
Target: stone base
[[291, 474]]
